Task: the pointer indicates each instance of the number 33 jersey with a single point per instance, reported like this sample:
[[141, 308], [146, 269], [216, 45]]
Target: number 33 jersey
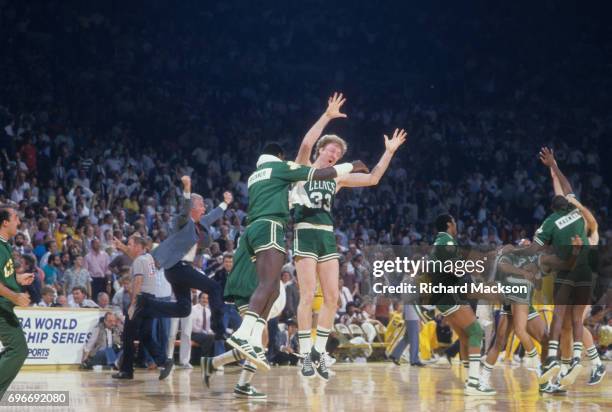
[[313, 201]]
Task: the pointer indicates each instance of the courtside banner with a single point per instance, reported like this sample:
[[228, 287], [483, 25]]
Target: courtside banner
[[57, 336]]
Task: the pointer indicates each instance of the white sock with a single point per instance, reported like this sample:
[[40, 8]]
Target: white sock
[[485, 372], [248, 371], [578, 349], [257, 332], [227, 357], [474, 369], [305, 339], [246, 327], [321, 341], [553, 348], [565, 364], [594, 355], [533, 354]]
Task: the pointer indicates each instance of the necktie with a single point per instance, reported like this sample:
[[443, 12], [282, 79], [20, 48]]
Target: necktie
[[204, 323]]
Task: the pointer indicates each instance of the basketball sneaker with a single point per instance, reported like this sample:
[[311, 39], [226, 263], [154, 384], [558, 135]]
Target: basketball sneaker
[[307, 368], [248, 391], [597, 374]]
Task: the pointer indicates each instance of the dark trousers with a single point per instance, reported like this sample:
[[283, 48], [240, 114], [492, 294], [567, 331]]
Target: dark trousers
[[97, 285], [15, 349], [139, 327], [183, 277], [207, 345], [411, 336]]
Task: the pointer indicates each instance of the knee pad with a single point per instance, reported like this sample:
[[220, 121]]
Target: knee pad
[[475, 334]]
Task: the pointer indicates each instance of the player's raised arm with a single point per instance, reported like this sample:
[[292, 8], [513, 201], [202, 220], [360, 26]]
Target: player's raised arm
[[561, 185], [334, 104], [591, 222], [372, 178]]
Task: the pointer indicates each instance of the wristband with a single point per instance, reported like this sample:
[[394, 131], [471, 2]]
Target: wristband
[[343, 169]]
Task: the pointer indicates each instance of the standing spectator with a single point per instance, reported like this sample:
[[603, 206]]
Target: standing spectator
[[77, 275], [51, 249], [52, 270], [411, 337], [96, 263]]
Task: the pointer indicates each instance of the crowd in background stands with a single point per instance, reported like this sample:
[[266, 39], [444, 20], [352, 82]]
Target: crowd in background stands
[[97, 135]]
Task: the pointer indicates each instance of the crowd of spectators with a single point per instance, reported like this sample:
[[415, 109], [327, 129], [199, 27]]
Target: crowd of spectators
[[104, 108]]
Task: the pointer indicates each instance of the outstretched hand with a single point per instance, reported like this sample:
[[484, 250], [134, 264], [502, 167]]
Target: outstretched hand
[[547, 157], [186, 180], [398, 139], [334, 104]]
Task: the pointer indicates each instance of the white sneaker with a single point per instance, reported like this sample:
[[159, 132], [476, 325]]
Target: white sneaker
[[329, 360], [185, 366], [531, 363]]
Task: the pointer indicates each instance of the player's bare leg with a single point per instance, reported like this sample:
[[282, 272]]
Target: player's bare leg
[[465, 320], [247, 339], [306, 269]]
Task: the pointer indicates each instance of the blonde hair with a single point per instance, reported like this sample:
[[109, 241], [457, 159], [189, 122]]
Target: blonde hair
[[330, 139]]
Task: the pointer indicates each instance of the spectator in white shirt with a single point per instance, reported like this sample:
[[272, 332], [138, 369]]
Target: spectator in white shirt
[[201, 331], [345, 296], [79, 299]]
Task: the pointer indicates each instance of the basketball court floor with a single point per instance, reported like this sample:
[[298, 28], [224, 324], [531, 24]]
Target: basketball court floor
[[355, 387]]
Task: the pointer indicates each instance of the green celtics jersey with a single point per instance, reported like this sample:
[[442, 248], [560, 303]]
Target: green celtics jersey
[[444, 247], [269, 188], [559, 228], [7, 274], [313, 201], [517, 261]]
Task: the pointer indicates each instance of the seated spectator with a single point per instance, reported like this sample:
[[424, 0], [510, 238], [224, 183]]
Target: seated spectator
[[103, 300], [345, 297], [352, 315], [79, 299], [61, 301], [103, 346], [47, 297], [288, 349], [201, 331], [293, 296]]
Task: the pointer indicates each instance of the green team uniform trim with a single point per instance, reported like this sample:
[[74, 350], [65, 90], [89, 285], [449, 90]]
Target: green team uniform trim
[[506, 310], [447, 310], [313, 201], [242, 280], [317, 244], [7, 276], [314, 237], [557, 230], [269, 188]]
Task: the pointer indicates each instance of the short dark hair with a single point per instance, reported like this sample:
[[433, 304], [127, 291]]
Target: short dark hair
[[442, 222], [5, 214], [273, 149], [559, 203], [81, 288]]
